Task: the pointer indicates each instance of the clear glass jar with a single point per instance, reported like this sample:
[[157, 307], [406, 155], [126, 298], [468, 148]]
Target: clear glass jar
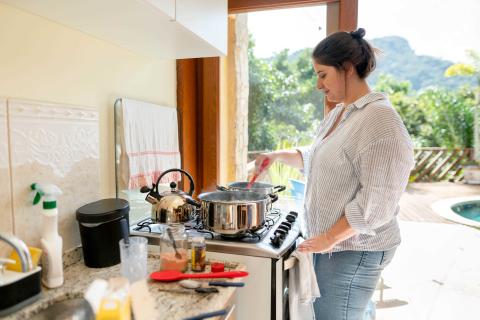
[[199, 253], [171, 259]]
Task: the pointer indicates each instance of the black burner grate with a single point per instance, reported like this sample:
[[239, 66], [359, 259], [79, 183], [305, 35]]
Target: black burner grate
[[250, 236]]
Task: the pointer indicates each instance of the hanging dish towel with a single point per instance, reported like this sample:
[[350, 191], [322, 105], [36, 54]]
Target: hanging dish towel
[[149, 142], [303, 287]]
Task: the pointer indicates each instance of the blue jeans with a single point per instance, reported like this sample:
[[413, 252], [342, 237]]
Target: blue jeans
[[347, 280]]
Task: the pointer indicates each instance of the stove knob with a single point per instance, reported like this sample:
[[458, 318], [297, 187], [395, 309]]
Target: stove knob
[[291, 218], [286, 224], [280, 233], [276, 241], [293, 213], [283, 228]]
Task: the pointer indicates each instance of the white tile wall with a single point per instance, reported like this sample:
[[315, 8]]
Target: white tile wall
[[57, 144]]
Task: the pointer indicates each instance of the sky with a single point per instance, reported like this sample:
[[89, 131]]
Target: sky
[[442, 29]]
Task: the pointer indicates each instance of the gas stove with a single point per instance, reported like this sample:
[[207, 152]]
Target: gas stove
[[262, 251], [272, 240]]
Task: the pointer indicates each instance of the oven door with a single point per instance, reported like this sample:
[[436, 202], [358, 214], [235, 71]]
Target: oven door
[[280, 268], [283, 267]]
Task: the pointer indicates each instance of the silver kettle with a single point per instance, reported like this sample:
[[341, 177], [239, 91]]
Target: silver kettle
[[173, 206]]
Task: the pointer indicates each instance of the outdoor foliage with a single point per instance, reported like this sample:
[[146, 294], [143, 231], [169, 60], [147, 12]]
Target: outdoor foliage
[[283, 101], [284, 104], [435, 116], [280, 174], [464, 69]]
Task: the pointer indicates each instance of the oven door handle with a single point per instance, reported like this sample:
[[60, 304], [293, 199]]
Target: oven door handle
[[292, 261], [289, 263]]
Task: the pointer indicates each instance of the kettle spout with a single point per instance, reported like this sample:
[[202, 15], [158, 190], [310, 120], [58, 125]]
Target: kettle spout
[[152, 197]]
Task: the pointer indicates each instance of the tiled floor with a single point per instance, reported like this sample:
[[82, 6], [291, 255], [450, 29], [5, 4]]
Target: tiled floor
[[435, 274]]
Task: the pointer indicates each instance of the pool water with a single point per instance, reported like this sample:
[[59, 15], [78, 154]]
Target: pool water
[[469, 210]]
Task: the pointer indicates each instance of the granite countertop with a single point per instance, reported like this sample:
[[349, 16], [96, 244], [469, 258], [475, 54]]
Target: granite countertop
[[169, 305]]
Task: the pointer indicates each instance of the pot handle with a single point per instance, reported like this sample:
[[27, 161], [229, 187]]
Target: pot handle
[[273, 197], [222, 188], [193, 202], [192, 185], [279, 188]]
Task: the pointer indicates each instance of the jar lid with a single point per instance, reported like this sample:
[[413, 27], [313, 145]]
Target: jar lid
[[102, 211], [217, 267]]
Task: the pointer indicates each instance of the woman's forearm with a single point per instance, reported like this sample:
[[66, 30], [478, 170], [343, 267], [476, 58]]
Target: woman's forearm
[[289, 157], [340, 231], [325, 242]]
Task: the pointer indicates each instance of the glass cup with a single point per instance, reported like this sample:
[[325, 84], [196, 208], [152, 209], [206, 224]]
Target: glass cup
[[133, 257]]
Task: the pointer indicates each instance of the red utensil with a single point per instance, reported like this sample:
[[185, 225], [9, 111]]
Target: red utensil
[[262, 167], [173, 275]]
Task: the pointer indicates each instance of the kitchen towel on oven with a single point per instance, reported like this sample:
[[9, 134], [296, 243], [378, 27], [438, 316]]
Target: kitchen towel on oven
[[149, 142], [303, 287]]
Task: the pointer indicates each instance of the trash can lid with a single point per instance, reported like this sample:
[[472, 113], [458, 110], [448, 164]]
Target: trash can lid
[[104, 210]]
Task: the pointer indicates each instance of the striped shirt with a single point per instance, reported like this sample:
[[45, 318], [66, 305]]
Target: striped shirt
[[360, 170]]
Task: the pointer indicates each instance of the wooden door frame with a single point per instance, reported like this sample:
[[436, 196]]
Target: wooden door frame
[[198, 103], [198, 93]]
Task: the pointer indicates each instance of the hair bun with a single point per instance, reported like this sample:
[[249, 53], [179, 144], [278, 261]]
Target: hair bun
[[358, 34]]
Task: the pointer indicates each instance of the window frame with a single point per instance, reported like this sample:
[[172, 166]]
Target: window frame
[[198, 90]]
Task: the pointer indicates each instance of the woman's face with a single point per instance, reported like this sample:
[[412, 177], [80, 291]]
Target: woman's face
[[331, 81]]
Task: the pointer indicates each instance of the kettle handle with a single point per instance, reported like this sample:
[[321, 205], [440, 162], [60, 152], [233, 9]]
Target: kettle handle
[[192, 185]]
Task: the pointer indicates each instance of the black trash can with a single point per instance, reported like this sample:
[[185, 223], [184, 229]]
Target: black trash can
[[102, 224]]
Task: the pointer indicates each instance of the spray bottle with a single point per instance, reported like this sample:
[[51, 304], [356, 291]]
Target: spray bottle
[[52, 264]]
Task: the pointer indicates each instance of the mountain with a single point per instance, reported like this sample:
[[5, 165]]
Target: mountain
[[399, 59]]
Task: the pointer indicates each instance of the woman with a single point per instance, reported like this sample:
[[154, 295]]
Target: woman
[[356, 169]]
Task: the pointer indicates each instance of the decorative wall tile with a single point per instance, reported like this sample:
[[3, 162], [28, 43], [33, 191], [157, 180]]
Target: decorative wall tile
[[5, 194], [6, 216], [57, 144]]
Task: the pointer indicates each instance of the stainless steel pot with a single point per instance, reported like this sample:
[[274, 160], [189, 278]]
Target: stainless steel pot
[[259, 187], [232, 213]]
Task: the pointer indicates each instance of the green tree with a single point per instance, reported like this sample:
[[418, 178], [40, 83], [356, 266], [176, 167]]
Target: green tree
[[448, 117], [285, 105], [471, 70], [283, 102], [261, 93], [434, 117], [404, 100]]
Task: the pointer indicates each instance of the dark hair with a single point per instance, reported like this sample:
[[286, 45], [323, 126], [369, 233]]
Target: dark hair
[[341, 47]]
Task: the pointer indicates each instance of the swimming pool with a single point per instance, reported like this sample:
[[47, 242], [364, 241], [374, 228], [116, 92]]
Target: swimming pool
[[465, 210]]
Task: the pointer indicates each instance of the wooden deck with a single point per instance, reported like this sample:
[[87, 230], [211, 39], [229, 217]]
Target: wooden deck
[[415, 204]]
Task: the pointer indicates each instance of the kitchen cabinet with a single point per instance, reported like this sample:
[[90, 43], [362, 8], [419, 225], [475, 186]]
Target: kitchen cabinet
[[165, 29]]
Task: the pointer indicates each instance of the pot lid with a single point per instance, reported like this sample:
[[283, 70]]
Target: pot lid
[[233, 196], [255, 185]]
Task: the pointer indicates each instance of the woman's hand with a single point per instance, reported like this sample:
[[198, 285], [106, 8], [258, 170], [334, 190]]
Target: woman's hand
[[259, 160], [319, 244]]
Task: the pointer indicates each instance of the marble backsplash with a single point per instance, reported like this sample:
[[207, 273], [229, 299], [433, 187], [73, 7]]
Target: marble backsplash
[[48, 143]]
